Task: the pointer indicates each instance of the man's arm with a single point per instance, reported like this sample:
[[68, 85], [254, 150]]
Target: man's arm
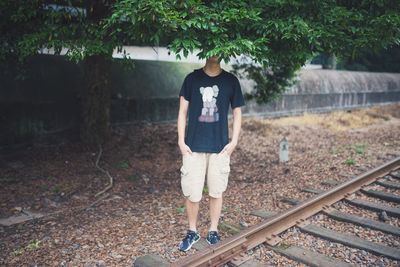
[[237, 122], [181, 124]]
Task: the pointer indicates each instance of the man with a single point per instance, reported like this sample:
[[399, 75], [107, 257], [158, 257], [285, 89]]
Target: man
[[207, 93]]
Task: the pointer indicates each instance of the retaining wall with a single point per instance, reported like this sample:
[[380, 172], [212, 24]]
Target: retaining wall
[[47, 100]]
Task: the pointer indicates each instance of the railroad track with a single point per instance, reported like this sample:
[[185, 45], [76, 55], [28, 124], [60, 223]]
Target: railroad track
[[232, 251]]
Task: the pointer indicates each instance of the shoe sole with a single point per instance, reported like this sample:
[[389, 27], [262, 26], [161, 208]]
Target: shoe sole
[[210, 242], [190, 245]]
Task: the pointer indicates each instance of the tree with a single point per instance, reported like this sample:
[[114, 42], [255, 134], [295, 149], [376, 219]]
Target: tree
[[298, 30], [385, 60], [278, 35], [77, 26]]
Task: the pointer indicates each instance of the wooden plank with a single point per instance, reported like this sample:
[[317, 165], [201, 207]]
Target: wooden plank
[[395, 212], [239, 260], [290, 201], [395, 175], [382, 195], [308, 257], [262, 213], [352, 241], [245, 261], [253, 263], [150, 261], [330, 182], [388, 184], [365, 222], [229, 228], [24, 216], [312, 190], [201, 244]]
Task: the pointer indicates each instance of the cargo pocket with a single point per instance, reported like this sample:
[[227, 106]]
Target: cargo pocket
[[184, 181], [224, 176], [184, 172]]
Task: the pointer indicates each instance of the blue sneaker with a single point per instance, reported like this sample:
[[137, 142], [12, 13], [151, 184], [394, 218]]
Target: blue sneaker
[[190, 238], [213, 237]]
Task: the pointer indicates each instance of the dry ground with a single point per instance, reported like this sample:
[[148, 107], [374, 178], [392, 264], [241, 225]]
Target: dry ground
[[144, 211]]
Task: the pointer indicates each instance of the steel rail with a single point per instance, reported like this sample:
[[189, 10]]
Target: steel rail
[[268, 230]]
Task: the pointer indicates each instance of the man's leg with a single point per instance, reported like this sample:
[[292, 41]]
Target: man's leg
[[192, 210], [215, 212], [193, 173], [217, 181], [192, 181]]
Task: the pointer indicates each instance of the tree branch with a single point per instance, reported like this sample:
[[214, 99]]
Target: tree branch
[[105, 172]]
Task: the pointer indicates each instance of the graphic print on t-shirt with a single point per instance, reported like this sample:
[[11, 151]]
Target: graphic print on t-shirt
[[209, 112]]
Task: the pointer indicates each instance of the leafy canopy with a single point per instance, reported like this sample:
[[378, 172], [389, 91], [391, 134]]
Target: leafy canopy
[[277, 34], [264, 30]]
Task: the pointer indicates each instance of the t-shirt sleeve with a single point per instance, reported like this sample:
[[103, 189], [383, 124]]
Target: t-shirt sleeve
[[237, 99], [185, 89]]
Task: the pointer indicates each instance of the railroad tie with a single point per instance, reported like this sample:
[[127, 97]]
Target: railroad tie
[[388, 184], [395, 212], [382, 195], [245, 261], [201, 244], [312, 190], [395, 175], [230, 228], [263, 213], [351, 241], [330, 182], [150, 261], [365, 222], [308, 257], [253, 263], [290, 201]]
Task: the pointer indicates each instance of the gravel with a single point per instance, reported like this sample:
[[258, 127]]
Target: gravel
[[335, 250]]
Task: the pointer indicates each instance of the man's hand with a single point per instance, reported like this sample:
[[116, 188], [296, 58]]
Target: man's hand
[[185, 149], [229, 148]]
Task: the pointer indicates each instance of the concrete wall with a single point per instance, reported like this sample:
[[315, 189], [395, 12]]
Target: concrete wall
[[327, 90], [47, 100]]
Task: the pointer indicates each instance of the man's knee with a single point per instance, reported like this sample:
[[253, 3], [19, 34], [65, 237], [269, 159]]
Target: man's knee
[[193, 198], [215, 196]]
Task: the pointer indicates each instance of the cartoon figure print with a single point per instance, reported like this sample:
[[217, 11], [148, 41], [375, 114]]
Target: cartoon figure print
[[209, 112]]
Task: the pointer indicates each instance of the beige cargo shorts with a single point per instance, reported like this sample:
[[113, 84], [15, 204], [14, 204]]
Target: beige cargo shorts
[[198, 165]]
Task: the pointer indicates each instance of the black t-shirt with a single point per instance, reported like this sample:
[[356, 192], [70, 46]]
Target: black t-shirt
[[209, 99]]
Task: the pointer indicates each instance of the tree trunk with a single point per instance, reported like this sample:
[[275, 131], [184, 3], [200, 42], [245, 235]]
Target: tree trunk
[[96, 97], [329, 62], [96, 100]]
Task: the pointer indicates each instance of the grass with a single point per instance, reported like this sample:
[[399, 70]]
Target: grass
[[180, 210], [337, 120], [349, 162], [205, 190], [18, 252], [33, 245], [360, 148], [56, 189], [133, 178], [123, 165]]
